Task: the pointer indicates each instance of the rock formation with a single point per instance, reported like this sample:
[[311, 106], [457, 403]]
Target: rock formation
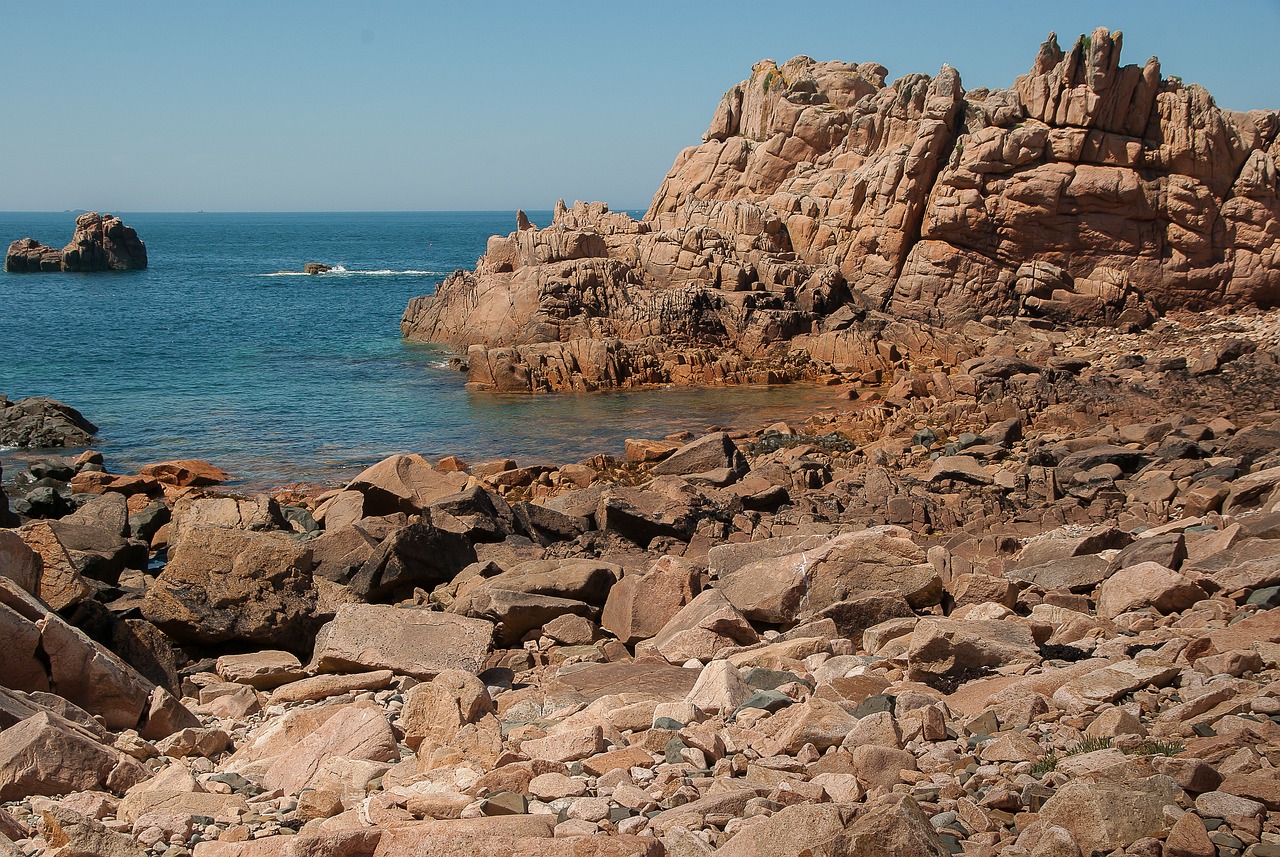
[[101, 242], [831, 218]]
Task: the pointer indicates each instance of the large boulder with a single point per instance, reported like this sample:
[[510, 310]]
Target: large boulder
[[232, 586], [45, 653], [19, 562], [409, 640], [702, 629], [47, 755], [358, 731], [418, 555], [1147, 584], [1103, 816], [405, 483], [706, 455], [961, 649], [640, 605], [879, 560], [40, 422]]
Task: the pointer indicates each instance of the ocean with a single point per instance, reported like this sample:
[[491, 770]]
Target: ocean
[[282, 377]]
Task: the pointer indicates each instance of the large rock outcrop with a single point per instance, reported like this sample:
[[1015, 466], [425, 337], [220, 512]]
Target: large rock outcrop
[[833, 219], [101, 242], [43, 423]]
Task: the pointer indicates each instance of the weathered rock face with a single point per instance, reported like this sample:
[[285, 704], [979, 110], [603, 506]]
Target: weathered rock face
[[826, 203], [101, 242]]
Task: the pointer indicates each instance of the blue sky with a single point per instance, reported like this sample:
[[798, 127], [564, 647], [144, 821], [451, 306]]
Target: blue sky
[[319, 105]]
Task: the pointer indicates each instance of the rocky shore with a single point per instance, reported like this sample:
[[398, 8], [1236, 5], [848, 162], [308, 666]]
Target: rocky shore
[[1016, 593], [833, 221], [1026, 603]]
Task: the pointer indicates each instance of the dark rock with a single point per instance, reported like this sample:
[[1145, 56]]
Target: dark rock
[[545, 525], [43, 423], [418, 555]]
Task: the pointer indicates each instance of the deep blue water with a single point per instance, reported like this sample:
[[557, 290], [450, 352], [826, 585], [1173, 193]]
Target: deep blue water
[[281, 379]]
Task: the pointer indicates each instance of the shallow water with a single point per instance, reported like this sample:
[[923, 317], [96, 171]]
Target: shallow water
[[279, 378]]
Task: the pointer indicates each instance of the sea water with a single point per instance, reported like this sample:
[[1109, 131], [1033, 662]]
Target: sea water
[[223, 350]]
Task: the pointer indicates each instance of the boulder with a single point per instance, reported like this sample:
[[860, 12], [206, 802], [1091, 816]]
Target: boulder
[[358, 731], [958, 649], [1111, 682], [226, 585], [20, 563], [418, 555], [878, 560], [1104, 815], [792, 831], [47, 755], [434, 711], [712, 452], [702, 629], [72, 833], [410, 641], [515, 614], [260, 670], [185, 473], [1147, 584], [1247, 564], [894, 826], [41, 423], [405, 483], [639, 605]]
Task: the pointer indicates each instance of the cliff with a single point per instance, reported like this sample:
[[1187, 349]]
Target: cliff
[[101, 242], [832, 221]]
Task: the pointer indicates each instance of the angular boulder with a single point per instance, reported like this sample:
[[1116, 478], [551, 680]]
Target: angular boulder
[[877, 560], [405, 483], [958, 649], [1102, 816], [233, 586], [410, 641]]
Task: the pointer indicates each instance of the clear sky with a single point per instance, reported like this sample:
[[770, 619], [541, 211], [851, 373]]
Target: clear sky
[[298, 105]]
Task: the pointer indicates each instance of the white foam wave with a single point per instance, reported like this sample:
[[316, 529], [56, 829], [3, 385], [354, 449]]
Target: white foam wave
[[339, 271]]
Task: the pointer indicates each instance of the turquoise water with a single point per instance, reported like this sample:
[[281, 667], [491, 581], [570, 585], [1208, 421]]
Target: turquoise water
[[209, 353]]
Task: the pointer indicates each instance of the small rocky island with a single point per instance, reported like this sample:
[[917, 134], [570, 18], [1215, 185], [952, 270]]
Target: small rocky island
[[101, 242]]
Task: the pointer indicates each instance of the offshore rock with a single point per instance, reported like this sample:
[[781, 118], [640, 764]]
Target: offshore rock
[[826, 205], [101, 242]]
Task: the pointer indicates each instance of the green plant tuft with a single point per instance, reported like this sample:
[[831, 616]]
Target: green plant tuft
[[1158, 748], [1045, 765], [1088, 745]]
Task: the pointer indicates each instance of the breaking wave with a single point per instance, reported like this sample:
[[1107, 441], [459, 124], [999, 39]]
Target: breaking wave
[[339, 271]]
